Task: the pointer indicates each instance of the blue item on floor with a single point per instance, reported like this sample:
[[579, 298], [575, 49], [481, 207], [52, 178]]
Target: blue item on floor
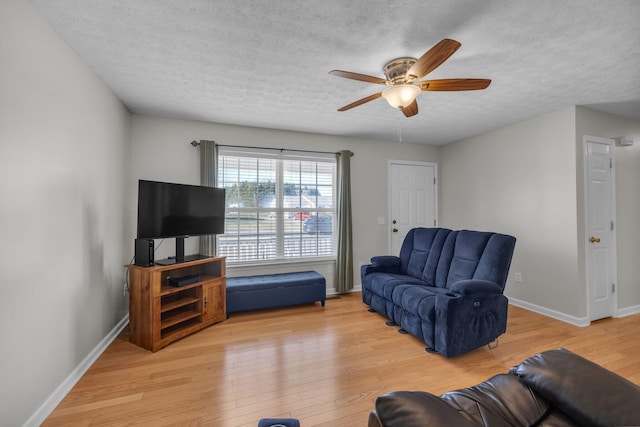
[[274, 290], [279, 422]]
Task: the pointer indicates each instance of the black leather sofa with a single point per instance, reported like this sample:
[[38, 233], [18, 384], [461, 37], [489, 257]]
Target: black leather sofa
[[556, 388]]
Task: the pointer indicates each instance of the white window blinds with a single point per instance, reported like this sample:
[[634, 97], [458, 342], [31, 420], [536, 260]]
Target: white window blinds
[[279, 206]]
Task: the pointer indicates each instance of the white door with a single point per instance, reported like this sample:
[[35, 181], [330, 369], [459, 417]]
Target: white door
[[412, 199], [600, 235]]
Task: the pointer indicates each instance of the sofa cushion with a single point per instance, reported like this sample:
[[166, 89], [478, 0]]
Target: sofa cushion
[[501, 401], [470, 254], [421, 245], [383, 284], [416, 409], [419, 300], [430, 267], [585, 391], [496, 259], [469, 247], [417, 260], [446, 255]]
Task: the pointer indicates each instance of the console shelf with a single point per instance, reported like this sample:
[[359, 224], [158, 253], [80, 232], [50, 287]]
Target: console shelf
[[168, 306], [178, 318], [160, 314]]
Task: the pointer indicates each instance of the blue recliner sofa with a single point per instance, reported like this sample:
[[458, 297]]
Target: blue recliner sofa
[[445, 288]]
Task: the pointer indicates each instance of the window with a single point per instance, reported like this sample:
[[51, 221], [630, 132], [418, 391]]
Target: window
[[278, 206]]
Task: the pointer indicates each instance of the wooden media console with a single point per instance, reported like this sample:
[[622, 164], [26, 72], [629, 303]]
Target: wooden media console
[[160, 313]]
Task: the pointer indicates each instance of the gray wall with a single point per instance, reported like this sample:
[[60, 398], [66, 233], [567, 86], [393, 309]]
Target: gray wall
[[161, 151], [63, 163], [526, 179]]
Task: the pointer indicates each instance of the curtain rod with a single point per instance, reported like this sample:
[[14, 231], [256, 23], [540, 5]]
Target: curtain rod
[[196, 143]]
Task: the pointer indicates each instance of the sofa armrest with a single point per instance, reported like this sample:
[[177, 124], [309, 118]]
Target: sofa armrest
[[475, 287], [385, 261], [587, 392], [416, 409], [465, 322], [383, 264]]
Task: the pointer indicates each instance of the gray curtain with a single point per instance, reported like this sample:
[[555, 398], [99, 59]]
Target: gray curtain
[[208, 178], [344, 261]]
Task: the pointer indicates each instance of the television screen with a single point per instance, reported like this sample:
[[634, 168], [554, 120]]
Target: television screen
[[179, 210]]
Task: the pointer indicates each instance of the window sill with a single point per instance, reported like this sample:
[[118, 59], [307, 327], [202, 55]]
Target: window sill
[[280, 262]]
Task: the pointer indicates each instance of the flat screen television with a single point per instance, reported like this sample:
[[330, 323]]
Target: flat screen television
[[167, 210]]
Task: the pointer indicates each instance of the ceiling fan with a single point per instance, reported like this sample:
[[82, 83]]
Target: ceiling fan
[[402, 75]]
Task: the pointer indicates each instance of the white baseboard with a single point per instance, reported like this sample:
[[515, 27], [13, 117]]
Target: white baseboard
[[577, 321], [332, 291], [628, 311], [61, 391]]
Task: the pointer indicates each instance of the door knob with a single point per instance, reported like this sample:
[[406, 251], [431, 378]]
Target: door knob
[[395, 230], [594, 239]]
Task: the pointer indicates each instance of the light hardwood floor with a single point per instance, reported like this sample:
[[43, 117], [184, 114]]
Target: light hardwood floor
[[324, 366]]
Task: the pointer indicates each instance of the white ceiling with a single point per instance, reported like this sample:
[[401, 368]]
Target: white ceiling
[[266, 63]]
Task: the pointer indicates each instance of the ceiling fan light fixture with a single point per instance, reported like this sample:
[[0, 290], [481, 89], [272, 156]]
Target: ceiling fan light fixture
[[400, 96]]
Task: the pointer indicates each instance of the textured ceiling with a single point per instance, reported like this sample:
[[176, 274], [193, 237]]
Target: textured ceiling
[[266, 63]]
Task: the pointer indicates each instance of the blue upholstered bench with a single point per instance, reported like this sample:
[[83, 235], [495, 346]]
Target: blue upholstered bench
[[274, 290]]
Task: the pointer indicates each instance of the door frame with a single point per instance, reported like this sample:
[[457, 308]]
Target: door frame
[[612, 248], [435, 193]]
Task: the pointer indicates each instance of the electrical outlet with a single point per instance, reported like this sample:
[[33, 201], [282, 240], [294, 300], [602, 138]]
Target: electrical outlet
[[518, 277], [125, 289]]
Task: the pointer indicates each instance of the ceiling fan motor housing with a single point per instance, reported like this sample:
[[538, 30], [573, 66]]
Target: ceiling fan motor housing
[[396, 71]]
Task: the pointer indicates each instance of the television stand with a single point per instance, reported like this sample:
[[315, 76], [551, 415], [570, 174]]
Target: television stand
[[160, 314]]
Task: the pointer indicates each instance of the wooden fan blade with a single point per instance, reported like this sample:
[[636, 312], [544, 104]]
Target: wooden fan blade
[[433, 58], [356, 76], [411, 109], [453, 84], [361, 101]]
